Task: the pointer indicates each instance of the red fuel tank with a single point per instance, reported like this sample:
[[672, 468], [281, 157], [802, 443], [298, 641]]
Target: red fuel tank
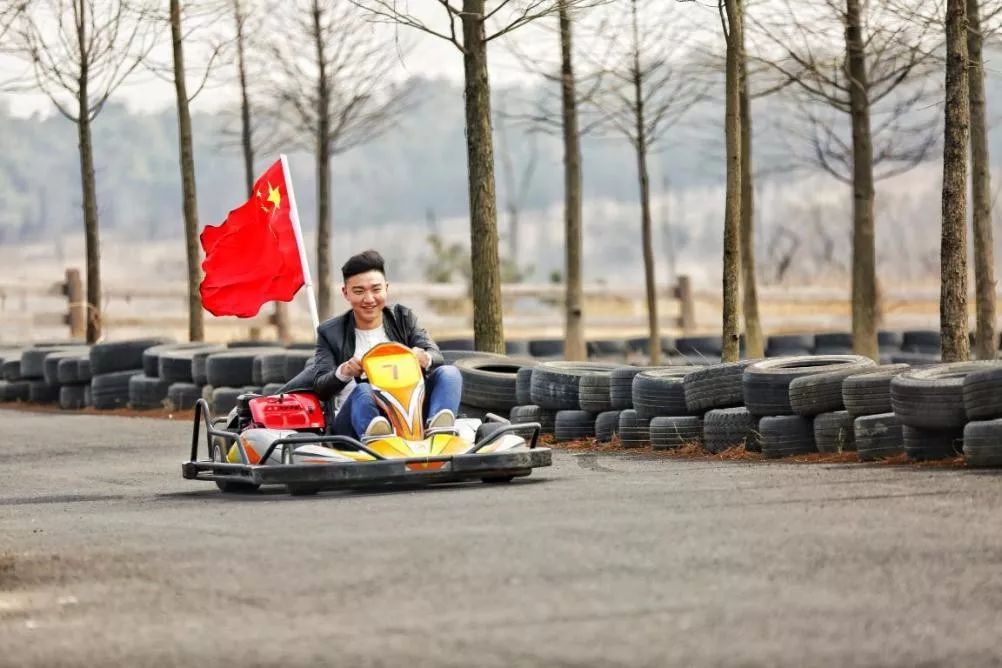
[[298, 410]]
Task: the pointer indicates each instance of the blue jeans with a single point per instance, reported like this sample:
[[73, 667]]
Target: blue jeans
[[443, 389]]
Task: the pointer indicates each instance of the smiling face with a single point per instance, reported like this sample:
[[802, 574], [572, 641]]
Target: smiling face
[[366, 292]]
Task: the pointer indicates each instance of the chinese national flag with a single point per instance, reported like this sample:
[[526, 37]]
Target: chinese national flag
[[252, 258]]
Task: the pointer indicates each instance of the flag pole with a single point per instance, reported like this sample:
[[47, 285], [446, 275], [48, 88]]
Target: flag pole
[[311, 296]]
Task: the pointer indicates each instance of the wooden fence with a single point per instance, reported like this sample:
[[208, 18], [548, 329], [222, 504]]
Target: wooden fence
[[39, 309]]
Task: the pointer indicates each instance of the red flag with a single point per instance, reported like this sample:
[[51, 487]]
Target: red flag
[[252, 258]]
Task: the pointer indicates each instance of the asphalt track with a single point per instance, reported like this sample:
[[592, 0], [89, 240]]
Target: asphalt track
[[109, 558]]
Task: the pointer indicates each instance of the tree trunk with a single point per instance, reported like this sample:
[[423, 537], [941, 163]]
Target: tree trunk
[[754, 341], [986, 344], [647, 246], [864, 271], [732, 207], [196, 330], [574, 340], [953, 245], [92, 240], [488, 328], [323, 169]]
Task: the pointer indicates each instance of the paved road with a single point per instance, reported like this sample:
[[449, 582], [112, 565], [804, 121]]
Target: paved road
[[109, 558]]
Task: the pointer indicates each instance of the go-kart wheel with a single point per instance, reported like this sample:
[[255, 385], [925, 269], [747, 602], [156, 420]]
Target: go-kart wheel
[[229, 486], [302, 489], [498, 480], [485, 430]]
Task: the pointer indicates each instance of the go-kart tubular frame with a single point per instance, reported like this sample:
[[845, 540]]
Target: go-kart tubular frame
[[381, 470]]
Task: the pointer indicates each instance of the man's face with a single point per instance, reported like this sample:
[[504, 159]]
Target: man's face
[[367, 295]]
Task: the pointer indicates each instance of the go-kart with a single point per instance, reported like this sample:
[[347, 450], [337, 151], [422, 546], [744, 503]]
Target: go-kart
[[282, 440]]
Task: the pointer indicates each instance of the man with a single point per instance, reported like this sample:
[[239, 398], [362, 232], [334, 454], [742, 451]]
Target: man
[[343, 340]]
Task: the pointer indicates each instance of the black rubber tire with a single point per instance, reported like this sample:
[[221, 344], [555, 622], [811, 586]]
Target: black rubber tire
[[11, 370], [84, 374], [15, 390], [296, 361], [273, 367], [516, 348], [725, 428], [593, 392], [33, 360], [452, 356], [554, 385], [72, 397], [983, 443], [786, 435], [256, 371], [111, 390], [151, 356], [933, 397], [877, 436], [716, 386], [40, 392], [841, 340], [698, 346], [523, 385], [660, 392], [869, 392], [459, 345], [983, 394], [621, 386], [233, 368], [67, 371], [916, 359], [766, 384], [889, 341], [485, 430], [490, 382], [50, 365], [932, 444], [670, 432], [532, 413], [225, 398], [606, 426], [115, 356], [229, 486], [253, 343], [786, 345], [822, 392], [182, 396], [606, 349], [921, 341], [146, 393], [175, 365], [833, 432], [546, 347], [573, 425], [634, 432]]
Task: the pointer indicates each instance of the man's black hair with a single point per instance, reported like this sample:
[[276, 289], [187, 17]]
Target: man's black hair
[[369, 260]]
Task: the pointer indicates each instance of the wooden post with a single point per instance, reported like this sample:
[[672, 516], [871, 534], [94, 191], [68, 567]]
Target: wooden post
[[76, 316], [686, 308]]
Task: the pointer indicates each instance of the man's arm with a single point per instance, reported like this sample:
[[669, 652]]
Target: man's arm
[[417, 337], [326, 382]]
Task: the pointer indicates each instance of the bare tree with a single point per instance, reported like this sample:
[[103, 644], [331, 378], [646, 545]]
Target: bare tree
[[470, 25], [732, 22], [754, 340], [884, 60], [80, 51], [981, 186], [644, 95], [333, 92], [953, 244]]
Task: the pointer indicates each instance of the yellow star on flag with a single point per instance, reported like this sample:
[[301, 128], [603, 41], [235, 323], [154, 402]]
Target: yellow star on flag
[[274, 196]]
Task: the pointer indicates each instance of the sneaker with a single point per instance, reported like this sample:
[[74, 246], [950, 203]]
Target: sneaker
[[380, 427], [444, 420]]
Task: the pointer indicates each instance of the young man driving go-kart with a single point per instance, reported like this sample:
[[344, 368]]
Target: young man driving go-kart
[[343, 340]]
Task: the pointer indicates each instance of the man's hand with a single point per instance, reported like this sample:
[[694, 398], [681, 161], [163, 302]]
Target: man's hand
[[424, 359], [350, 369]]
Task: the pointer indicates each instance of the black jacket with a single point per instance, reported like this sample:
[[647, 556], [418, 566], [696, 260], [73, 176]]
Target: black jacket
[[336, 345]]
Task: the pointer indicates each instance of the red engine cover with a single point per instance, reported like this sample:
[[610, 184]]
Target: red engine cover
[[288, 411]]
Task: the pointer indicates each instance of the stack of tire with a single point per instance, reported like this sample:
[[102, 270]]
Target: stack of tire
[[660, 414], [150, 389], [696, 351], [12, 386], [42, 388], [556, 394], [919, 348], [867, 399], [112, 366], [983, 407], [70, 371], [490, 384], [787, 413], [932, 405], [230, 373], [717, 394], [175, 366]]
